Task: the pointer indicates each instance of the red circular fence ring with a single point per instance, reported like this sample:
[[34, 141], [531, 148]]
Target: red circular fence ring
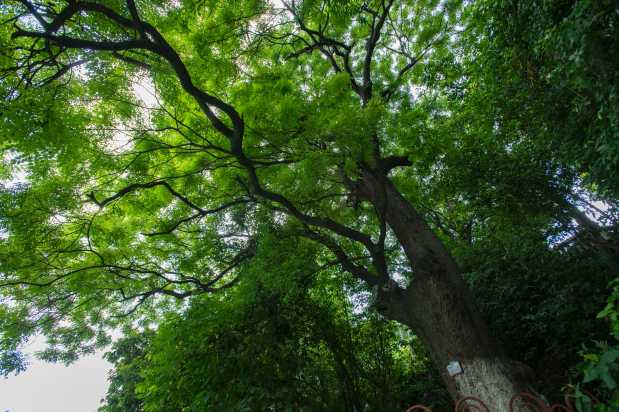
[[463, 406], [530, 403], [419, 408]]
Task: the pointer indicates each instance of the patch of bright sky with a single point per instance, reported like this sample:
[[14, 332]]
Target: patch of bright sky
[[18, 176], [19, 173], [144, 89], [597, 212], [54, 387]]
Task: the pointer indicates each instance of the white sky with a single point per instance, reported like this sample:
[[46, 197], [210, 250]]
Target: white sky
[[48, 387]]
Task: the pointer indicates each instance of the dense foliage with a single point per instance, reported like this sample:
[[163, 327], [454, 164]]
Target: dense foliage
[[201, 175], [601, 364], [274, 346], [555, 81]]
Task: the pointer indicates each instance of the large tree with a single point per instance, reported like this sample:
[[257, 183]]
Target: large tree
[[294, 115]]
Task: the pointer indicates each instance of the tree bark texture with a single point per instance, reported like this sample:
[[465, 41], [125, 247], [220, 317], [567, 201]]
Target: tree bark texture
[[438, 306]]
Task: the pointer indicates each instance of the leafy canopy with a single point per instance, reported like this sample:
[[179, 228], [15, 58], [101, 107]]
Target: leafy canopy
[[257, 119]]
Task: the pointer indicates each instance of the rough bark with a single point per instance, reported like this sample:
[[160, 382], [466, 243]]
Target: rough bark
[[438, 306]]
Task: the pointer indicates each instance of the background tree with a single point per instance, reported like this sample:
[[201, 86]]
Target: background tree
[[127, 356], [555, 82]]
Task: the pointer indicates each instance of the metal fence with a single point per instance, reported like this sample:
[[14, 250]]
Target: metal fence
[[522, 402]]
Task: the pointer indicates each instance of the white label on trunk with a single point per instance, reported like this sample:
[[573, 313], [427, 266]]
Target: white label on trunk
[[454, 368]]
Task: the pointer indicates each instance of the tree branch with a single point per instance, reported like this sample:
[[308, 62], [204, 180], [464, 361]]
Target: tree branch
[[378, 22], [135, 186]]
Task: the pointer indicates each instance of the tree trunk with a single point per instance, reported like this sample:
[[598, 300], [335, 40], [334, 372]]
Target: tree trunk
[[437, 305], [442, 317]]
